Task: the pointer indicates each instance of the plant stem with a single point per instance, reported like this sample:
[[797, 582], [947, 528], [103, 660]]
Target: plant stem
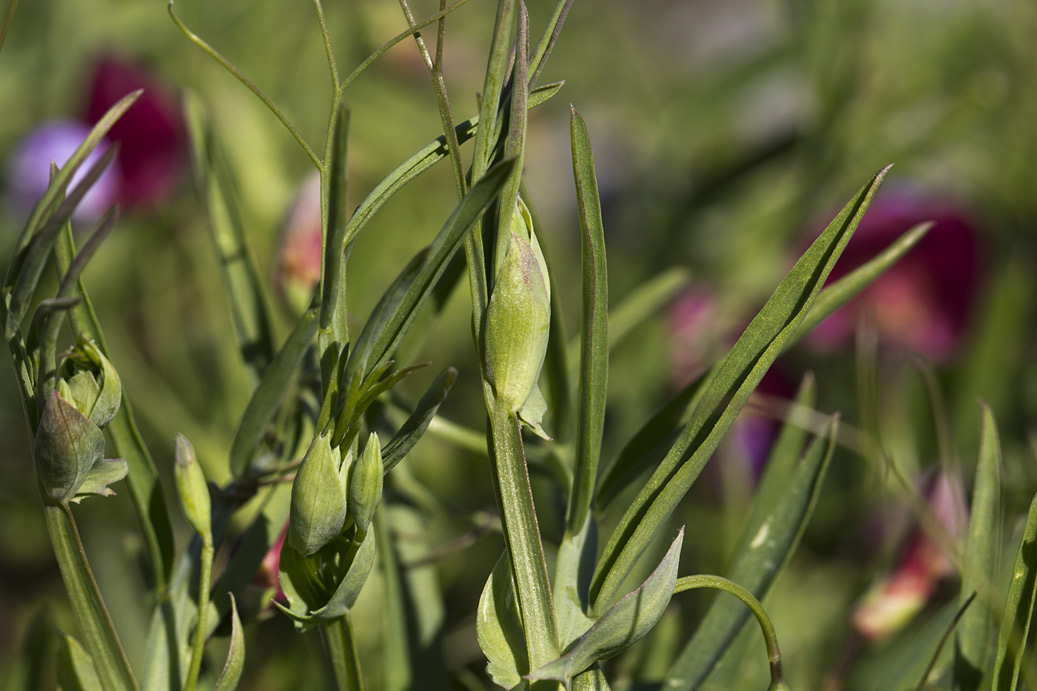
[[201, 628], [769, 636], [95, 625], [341, 647]]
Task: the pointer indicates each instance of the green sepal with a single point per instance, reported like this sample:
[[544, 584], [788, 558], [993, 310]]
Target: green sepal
[[92, 383], [76, 671], [66, 449], [318, 509], [348, 589], [623, 624], [106, 471], [232, 668]]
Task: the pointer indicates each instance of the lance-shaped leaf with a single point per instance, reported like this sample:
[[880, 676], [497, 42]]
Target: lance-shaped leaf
[[625, 623], [232, 668], [75, 668], [723, 397], [767, 543], [30, 264], [979, 572], [48, 202], [498, 626], [242, 280], [594, 345], [268, 396], [395, 312], [1018, 613], [418, 421], [334, 332]]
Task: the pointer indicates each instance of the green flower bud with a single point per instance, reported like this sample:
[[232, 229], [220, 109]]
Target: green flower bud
[[518, 320], [91, 383], [191, 488], [66, 449], [365, 485], [318, 509]]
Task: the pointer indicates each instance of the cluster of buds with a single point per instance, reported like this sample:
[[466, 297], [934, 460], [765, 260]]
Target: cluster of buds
[[518, 322], [69, 446], [328, 542]]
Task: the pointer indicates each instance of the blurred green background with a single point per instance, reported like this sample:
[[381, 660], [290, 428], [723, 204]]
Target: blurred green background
[[725, 133]]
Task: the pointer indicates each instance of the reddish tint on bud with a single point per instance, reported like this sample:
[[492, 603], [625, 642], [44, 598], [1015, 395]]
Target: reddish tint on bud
[[892, 602], [151, 132], [266, 575], [922, 302], [299, 257]]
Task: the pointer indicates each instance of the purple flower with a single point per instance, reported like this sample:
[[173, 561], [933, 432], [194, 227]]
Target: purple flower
[[151, 132], [922, 302], [28, 172]]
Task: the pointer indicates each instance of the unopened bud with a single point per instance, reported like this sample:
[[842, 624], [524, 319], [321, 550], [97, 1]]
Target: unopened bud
[[299, 256], [192, 488], [518, 320], [365, 485], [318, 509], [67, 447]]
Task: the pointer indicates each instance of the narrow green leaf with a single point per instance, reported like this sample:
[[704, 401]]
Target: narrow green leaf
[[26, 278], [1013, 636], [49, 201], [515, 142], [273, 387], [548, 39], [982, 556], [418, 421], [846, 288], [573, 570], [723, 397], [242, 280], [594, 350], [232, 668], [625, 623], [395, 312], [765, 547], [499, 629], [75, 668], [91, 615], [334, 332]]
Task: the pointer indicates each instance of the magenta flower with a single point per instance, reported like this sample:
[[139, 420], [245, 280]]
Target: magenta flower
[[266, 576], [151, 133], [28, 171], [922, 302]]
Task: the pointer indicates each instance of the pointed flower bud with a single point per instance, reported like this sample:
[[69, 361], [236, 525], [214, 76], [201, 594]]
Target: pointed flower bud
[[298, 267], [191, 488], [91, 384], [318, 509], [365, 485], [66, 449], [518, 317]]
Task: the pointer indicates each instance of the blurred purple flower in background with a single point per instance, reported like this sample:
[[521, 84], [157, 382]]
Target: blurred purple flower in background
[[28, 172], [922, 303], [151, 132], [297, 271]]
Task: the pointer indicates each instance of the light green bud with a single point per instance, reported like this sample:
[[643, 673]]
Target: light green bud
[[518, 320], [66, 448], [318, 509], [365, 485], [91, 383], [191, 488]]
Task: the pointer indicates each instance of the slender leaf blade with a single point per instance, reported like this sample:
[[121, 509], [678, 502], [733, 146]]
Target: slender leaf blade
[[1013, 635], [230, 675]]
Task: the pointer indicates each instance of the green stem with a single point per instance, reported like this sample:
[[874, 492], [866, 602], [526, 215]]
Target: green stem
[[341, 647], [522, 533], [769, 636], [239, 75], [95, 625], [201, 627], [332, 62]]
